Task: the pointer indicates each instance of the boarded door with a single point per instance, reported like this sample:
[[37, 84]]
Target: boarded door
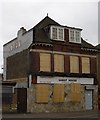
[[88, 99], [21, 100]]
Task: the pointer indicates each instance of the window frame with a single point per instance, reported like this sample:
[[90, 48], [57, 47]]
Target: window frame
[[58, 35], [11, 47], [55, 63], [72, 70], [45, 70], [75, 38], [19, 43], [89, 69]]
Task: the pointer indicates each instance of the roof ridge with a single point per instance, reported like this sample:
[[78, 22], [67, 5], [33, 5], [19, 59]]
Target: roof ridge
[[47, 17]]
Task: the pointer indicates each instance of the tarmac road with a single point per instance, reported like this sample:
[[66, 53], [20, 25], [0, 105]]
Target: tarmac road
[[83, 115]]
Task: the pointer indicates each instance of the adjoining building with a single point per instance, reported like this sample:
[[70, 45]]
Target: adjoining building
[[98, 73], [1, 79], [55, 65], [8, 101]]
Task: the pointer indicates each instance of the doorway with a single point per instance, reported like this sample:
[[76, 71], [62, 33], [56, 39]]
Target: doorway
[[88, 100], [21, 100]]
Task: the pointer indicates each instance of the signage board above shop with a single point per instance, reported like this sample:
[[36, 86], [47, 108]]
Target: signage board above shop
[[64, 80]]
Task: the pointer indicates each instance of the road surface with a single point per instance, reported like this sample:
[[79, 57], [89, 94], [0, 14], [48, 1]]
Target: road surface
[[83, 115]]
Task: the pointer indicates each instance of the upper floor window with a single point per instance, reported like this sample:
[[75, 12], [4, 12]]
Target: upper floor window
[[11, 47], [19, 43], [16, 45], [58, 63], [57, 33], [74, 64], [45, 62], [74, 36], [85, 65]]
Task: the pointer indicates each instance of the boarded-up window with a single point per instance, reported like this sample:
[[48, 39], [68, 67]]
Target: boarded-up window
[[58, 63], [42, 93], [75, 92], [58, 93], [74, 64], [85, 65], [45, 62]]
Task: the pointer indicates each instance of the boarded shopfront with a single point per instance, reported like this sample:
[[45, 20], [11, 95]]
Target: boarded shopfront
[[61, 97]]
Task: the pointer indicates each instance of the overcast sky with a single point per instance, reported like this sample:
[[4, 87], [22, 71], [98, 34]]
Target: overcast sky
[[27, 13]]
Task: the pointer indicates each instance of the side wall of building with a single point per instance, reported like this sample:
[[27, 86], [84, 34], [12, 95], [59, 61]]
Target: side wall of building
[[17, 65], [17, 45]]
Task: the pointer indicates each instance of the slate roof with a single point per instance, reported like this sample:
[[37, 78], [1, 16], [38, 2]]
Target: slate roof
[[41, 30], [97, 47], [86, 45]]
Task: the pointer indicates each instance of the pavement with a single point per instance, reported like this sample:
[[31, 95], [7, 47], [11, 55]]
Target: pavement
[[82, 115]]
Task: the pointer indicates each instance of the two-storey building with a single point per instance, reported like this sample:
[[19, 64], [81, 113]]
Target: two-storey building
[[56, 65]]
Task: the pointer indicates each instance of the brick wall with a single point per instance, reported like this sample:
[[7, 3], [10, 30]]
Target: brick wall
[[17, 65]]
